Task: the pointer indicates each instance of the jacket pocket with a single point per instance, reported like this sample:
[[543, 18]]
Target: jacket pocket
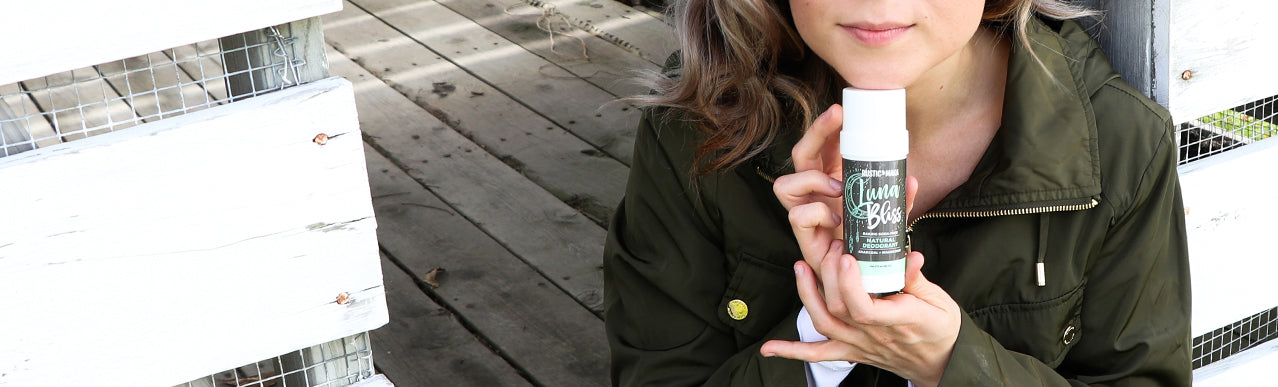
[[1045, 330], [759, 295]]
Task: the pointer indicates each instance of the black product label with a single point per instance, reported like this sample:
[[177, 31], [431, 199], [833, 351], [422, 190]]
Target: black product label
[[874, 209]]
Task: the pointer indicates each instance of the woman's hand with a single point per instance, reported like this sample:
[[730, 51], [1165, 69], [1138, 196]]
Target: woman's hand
[[813, 193], [910, 334]]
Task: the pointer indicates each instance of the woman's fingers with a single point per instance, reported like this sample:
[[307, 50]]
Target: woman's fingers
[[810, 352], [860, 307], [919, 286], [813, 151], [798, 188], [814, 227]]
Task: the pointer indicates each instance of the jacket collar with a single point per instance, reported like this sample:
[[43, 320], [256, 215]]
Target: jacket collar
[[1045, 152]]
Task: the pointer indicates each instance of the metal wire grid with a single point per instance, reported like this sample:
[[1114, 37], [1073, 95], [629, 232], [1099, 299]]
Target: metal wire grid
[[1234, 338], [115, 95], [1229, 129], [336, 363]]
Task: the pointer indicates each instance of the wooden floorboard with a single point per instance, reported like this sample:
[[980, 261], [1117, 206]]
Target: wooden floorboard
[[485, 150], [27, 122], [203, 61], [541, 329], [572, 103], [82, 104], [154, 86], [603, 64], [648, 36], [556, 239], [424, 344], [571, 169]]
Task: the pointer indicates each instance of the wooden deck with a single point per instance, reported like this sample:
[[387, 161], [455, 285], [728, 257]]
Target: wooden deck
[[496, 158]]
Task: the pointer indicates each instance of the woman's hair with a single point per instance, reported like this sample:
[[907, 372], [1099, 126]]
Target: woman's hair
[[744, 73]]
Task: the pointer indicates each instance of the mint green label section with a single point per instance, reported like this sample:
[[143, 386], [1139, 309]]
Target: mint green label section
[[876, 268]]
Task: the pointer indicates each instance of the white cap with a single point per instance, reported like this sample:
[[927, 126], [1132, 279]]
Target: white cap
[[874, 125]]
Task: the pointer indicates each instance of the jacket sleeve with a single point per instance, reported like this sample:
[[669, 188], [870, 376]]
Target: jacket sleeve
[[665, 274], [1134, 328]]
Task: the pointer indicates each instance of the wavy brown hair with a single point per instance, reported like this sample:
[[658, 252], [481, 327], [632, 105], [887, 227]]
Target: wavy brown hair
[[744, 73]]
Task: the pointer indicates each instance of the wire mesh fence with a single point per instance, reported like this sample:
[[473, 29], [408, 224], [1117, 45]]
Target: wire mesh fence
[[115, 95], [1234, 338], [336, 363], [1229, 129]]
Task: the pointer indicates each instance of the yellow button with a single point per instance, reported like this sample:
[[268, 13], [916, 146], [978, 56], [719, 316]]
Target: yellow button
[[737, 309]]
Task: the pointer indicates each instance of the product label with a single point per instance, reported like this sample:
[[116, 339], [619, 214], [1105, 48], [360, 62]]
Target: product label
[[874, 209]]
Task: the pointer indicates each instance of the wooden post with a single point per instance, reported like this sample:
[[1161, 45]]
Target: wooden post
[[1133, 34], [253, 65]]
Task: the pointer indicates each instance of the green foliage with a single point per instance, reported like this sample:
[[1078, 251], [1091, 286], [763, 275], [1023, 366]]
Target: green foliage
[[1241, 124]]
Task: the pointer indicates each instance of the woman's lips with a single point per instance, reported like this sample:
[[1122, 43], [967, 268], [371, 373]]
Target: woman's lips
[[876, 35]]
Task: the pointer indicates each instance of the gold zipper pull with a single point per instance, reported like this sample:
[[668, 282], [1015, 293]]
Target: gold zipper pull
[[909, 241]]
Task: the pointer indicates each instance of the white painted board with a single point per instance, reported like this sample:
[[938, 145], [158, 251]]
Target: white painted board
[[378, 380], [1229, 213], [48, 37], [188, 246], [1230, 49], [1248, 368]]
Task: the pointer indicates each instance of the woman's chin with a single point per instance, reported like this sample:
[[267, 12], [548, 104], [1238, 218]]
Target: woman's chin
[[878, 79], [876, 83]]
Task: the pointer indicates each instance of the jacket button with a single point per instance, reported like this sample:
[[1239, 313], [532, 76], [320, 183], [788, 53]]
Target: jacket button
[[1070, 334], [737, 309]]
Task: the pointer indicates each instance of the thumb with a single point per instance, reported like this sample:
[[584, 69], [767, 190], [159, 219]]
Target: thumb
[[911, 188], [915, 282]]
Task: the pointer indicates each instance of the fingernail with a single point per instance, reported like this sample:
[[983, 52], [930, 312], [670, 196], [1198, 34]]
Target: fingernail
[[836, 185], [847, 263], [836, 244], [798, 269], [769, 354], [836, 219]]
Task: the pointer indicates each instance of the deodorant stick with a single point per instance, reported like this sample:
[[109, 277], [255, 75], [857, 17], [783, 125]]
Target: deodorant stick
[[874, 144]]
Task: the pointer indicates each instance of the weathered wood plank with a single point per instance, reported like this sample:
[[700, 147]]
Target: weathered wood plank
[[227, 225], [1216, 221], [561, 243], [1228, 48], [613, 21], [553, 92], [569, 168], [81, 104], [424, 344], [603, 64], [542, 330], [65, 28]]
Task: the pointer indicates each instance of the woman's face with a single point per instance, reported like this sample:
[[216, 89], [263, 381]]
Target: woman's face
[[886, 44]]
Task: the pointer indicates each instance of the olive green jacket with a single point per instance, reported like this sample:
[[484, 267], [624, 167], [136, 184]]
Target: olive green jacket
[[1081, 177]]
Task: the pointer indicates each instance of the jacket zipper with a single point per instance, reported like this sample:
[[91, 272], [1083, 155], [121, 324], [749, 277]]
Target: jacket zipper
[[909, 230]]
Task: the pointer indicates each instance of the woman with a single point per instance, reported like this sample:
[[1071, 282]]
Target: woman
[[1044, 198]]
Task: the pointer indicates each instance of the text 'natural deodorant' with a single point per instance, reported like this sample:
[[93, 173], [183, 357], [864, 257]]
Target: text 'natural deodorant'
[[874, 143]]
